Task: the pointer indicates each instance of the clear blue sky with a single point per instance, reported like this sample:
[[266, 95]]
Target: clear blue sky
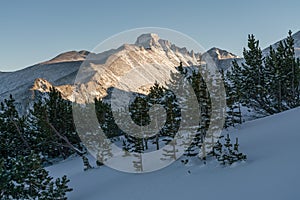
[[35, 31]]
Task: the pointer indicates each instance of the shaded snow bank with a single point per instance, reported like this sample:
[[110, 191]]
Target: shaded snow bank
[[272, 170]]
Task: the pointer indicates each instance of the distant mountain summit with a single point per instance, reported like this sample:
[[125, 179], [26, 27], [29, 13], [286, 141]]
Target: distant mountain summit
[[220, 54], [69, 56], [222, 58], [148, 40]]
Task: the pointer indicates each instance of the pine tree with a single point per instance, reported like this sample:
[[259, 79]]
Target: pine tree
[[253, 69], [204, 102], [23, 177], [53, 125], [293, 74], [106, 119], [271, 84], [218, 149], [282, 74], [251, 81], [233, 102], [229, 153], [274, 78], [238, 156], [15, 136]]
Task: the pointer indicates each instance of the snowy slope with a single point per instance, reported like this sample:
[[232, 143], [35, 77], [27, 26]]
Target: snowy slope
[[271, 171]]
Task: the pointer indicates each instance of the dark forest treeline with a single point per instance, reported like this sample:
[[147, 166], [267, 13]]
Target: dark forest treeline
[[267, 83]]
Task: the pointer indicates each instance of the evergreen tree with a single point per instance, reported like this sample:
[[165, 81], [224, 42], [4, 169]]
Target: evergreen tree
[[23, 177], [293, 72], [204, 102], [253, 69], [53, 125], [282, 75], [251, 81], [233, 101], [271, 84], [229, 154], [15, 137], [160, 95], [275, 77], [106, 119]]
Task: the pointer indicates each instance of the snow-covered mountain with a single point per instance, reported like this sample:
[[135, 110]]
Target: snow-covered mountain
[[160, 56], [69, 57], [139, 65], [222, 58], [20, 83], [220, 54]]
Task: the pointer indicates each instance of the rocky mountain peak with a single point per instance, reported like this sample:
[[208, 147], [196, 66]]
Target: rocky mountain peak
[[41, 85], [220, 54], [148, 40]]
